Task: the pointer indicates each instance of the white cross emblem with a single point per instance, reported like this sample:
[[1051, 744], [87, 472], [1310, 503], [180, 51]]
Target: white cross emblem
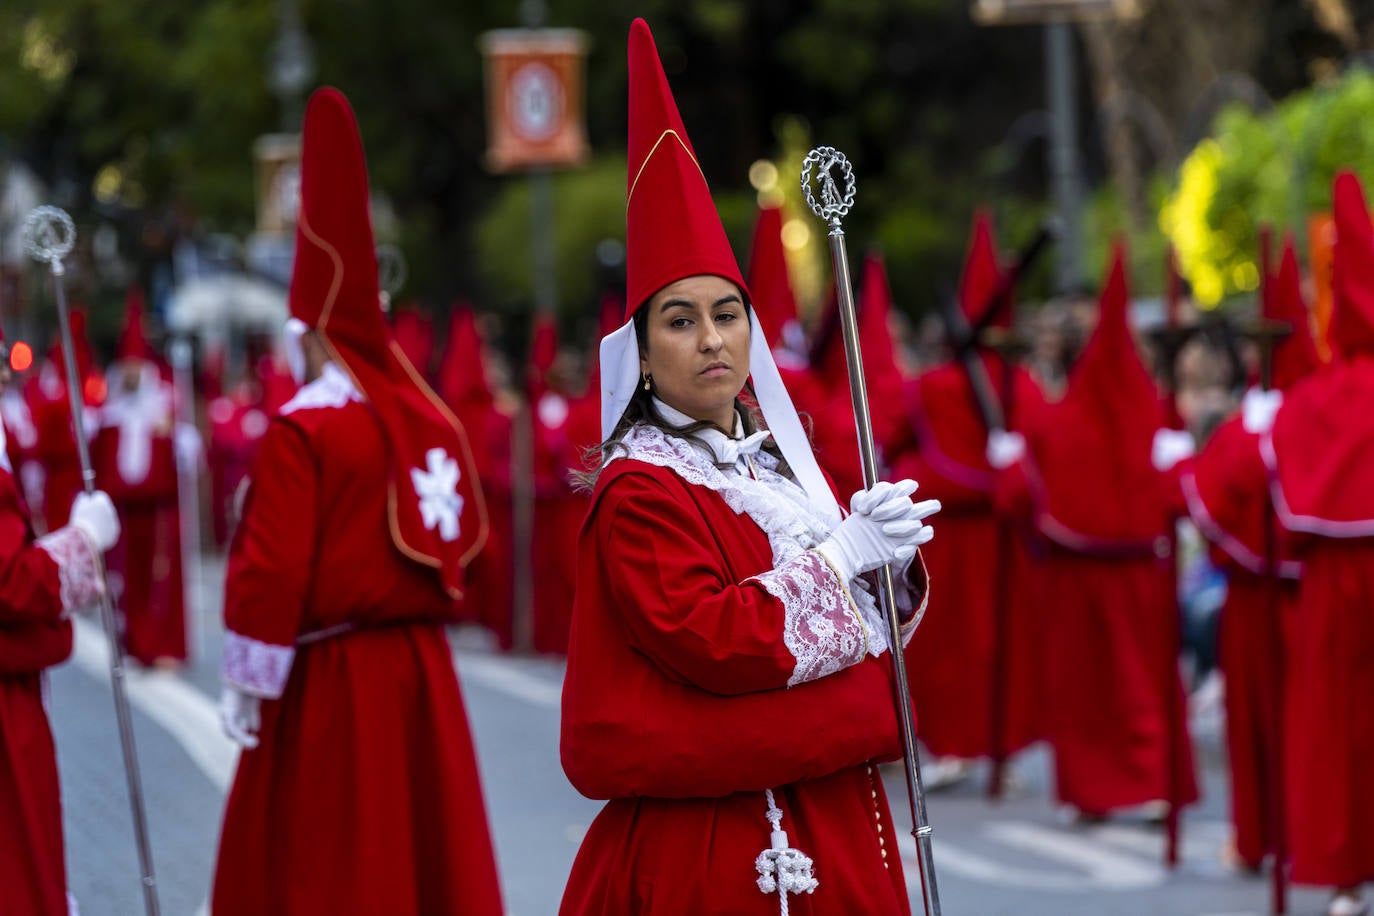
[[440, 504]]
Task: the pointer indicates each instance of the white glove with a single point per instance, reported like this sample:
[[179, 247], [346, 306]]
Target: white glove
[[95, 515], [1005, 448], [241, 715], [1170, 447], [1257, 410], [889, 530]]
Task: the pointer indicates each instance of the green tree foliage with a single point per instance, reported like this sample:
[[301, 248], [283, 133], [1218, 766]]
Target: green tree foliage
[[1274, 168]]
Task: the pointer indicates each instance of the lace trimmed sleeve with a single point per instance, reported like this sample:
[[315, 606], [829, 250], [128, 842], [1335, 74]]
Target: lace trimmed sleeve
[[78, 567], [255, 667], [822, 628]]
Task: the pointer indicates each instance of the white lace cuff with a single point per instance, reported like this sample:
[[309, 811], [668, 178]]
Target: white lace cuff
[[256, 668], [78, 567], [821, 628]]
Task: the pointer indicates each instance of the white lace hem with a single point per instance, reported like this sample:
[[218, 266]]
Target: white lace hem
[[821, 627], [256, 668], [78, 567]]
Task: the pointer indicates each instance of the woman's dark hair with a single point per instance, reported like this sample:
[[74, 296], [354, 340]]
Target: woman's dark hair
[[642, 412]]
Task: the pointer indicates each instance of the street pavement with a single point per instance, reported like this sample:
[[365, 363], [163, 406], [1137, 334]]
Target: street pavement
[[1017, 856]]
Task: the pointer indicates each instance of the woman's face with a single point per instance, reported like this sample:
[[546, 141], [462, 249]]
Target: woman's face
[[697, 347]]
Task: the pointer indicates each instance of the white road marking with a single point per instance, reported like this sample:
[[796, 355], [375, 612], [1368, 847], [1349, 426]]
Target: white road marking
[[504, 677], [1090, 868], [179, 708]]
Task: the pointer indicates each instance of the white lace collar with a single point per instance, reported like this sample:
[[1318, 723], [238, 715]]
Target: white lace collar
[[730, 451]]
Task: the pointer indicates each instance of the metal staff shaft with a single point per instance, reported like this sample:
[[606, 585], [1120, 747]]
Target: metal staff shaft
[[858, 393], [188, 490], [107, 618]]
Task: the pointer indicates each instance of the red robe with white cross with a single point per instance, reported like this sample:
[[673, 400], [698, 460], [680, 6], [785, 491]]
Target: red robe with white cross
[[365, 758], [134, 456]]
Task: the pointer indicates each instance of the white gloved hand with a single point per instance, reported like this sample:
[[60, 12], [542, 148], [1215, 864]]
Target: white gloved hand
[[95, 515], [1257, 410], [889, 531], [241, 715], [1005, 448], [1171, 446]]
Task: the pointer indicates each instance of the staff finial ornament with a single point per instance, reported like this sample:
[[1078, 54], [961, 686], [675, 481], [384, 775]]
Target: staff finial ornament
[[49, 235], [819, 167]]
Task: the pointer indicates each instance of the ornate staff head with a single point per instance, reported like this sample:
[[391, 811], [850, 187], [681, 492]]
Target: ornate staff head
[[819, 167], [49, 235]]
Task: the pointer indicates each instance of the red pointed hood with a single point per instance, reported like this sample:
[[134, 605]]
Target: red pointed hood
[[414, 333], [982, 273], [774, 300], [334, 289], [1093, 447], [1352, 318], [462, 379], [334, 283], [133, 343], [875, 321], [1295, 357], [543, 353], [672, 227]]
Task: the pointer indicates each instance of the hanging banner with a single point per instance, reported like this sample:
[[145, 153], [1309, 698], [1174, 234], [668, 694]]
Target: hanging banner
[[535, 98], [277, 161]]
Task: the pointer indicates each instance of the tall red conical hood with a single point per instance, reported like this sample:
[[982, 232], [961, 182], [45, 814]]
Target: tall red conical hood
[[774, 300], [1093, 446], [436, 514], [334, 282], [133, 343], [672, 227], [1296, 355], [883, 378], [543, 354], [414, 333], [1352, 318], [982, 273], [462, 379]]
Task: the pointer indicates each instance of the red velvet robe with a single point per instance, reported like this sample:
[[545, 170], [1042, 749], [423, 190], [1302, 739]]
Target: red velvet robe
[[489, 595], [674, 708], [954, 682], [363, 794], [1224, 490], [1318, 461], [33, 636], [560, 435], [55, 449], [147, 558]]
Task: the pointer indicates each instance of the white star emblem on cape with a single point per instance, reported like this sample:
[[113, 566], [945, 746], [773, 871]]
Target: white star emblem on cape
[[437, 487]]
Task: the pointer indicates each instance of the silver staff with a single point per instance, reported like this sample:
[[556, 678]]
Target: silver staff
[[49, 235], [188, 485], [832, 207]]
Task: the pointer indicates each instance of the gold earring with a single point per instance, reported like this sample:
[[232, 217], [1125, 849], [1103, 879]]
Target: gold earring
[[648, 379]]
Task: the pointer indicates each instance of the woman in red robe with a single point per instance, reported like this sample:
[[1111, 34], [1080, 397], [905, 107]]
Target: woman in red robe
[[41, 582], [725, 682]]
